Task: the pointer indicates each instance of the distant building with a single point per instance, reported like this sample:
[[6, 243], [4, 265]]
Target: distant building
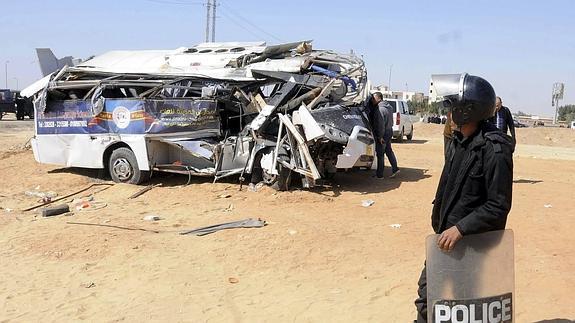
[[400, 95], [432, 95]]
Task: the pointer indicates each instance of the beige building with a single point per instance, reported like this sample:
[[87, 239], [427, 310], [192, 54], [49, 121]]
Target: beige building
[[400, 95]]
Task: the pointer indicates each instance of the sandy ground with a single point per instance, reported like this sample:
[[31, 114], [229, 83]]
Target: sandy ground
[[323, 257]]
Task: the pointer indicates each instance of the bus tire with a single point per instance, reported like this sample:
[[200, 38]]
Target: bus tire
[[123, 167], [281, 181]]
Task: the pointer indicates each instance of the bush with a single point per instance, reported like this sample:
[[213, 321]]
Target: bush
[[427, 108], [566, 113]]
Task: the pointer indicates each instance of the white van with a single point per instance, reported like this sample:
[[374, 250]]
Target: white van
[[402, 124], [572, 125]]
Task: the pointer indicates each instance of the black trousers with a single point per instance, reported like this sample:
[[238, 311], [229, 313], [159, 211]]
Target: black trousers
[[380, 150], [421, 301]]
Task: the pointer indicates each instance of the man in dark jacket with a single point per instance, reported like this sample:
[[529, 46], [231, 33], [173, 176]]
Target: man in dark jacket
[[382, 125], [475, 188], [503, 119]]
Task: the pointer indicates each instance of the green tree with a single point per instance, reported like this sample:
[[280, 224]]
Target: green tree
[[425, 107], [566, 113], [522, 114], [436, 108], [419, 106]]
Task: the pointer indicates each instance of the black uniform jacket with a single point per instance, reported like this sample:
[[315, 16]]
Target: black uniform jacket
[[478, 199]]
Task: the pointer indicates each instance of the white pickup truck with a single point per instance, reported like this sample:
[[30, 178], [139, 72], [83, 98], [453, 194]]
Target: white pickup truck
[[402, 124]]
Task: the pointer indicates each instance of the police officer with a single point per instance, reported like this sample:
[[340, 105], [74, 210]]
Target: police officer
[[474, 191]]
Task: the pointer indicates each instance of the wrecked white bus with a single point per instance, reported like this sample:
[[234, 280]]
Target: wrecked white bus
[[216, 109]]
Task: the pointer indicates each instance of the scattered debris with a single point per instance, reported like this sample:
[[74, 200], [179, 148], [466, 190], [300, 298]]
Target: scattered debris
[[225, 196], [79, 203], [82, 206], [112, 226], [395, 225], [367, 203], [233, 280], [87, 204], [55, 210], [89, 285], [72, 194], [93, 206], [230, 208], [292, 232], [18, 148], [548, 206], [144, 190], [255, 187], [43, 195], [247, 223], [152, 217]]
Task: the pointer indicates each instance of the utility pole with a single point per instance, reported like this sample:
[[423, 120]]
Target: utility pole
[[214, 5], [389, 81], [6, 73], [557, 94], [208, 10]]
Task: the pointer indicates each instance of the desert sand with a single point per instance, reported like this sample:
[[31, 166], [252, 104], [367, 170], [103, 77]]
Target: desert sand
[[321, 258]]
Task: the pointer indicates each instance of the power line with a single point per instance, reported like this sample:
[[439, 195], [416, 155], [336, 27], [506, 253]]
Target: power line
[[211, 5], [181, 3], [235, 13], [240, 25]]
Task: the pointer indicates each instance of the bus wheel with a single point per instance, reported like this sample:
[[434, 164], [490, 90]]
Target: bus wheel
[[281, 181], [123, 167]]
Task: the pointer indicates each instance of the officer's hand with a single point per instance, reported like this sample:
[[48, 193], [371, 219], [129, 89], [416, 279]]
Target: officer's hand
[[449, 238]]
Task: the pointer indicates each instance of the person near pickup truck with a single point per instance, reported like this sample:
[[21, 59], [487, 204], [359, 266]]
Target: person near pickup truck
[[381, 118], [503, 119], [475, 188]]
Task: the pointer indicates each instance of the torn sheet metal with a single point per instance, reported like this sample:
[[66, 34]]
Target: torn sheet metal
[[306, 159], [182, 155], [267, 162], [247, 223], [36, 87], [262, 117], [197, 148], [311, 128], [354, 149]]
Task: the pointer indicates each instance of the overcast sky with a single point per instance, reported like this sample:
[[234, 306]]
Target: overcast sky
[[521, 47]]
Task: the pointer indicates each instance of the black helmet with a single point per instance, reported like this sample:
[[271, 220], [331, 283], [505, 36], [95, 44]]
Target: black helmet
[[469, 98]]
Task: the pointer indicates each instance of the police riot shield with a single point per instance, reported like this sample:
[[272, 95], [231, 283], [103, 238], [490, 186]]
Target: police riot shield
[[474, 282]]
